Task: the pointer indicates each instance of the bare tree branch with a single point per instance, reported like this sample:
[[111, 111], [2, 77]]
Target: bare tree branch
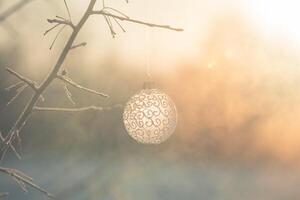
[[68, 10], [58, 33], [72, 83], [80, 109], [104, 13], [29, 82], [117, 11], [15, 85], [69, 94], [119, 24], [78, 45], [58, 21], [22, 180], [110, 26], [59, 17], [52, 28], [19, 91]]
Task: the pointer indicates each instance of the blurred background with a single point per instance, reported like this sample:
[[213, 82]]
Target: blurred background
[[233, 75]]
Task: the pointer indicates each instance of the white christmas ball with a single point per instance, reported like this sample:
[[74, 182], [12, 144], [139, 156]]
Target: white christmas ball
[[150, 117]]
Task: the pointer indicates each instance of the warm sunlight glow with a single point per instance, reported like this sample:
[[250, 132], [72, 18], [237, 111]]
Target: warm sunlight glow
[[222, 119]]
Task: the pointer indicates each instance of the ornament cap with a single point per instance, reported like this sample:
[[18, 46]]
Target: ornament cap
[[149, 85]]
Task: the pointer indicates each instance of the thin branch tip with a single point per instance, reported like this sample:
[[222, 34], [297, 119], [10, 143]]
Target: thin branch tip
[[61, 21], [29, 82], [6, 144], [78, 109], [69, 81], [83, 44], [24, 180], [122, 18]]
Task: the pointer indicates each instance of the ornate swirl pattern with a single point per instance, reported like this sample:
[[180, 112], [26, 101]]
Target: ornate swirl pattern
[[150, 116]]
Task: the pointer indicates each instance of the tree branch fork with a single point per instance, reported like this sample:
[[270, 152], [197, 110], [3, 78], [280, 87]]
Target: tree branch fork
[[110, 15]]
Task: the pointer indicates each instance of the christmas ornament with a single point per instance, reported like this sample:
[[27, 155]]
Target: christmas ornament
[[150, 116]]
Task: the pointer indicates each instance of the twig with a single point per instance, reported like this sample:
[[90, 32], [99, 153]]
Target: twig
[[72, 83], [102, 12], [117, 11], [119, 24], [78, 45], [69, 94], [68, 10], [58, 21], [80, 109], [22, 180], [19, 91], [110, 26], [15, 85], [29, 82], [3, 140], [59, 17], [52, 28], [58, 33]]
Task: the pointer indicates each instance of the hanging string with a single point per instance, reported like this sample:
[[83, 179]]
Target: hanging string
[[147, 45], [148, 71]]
